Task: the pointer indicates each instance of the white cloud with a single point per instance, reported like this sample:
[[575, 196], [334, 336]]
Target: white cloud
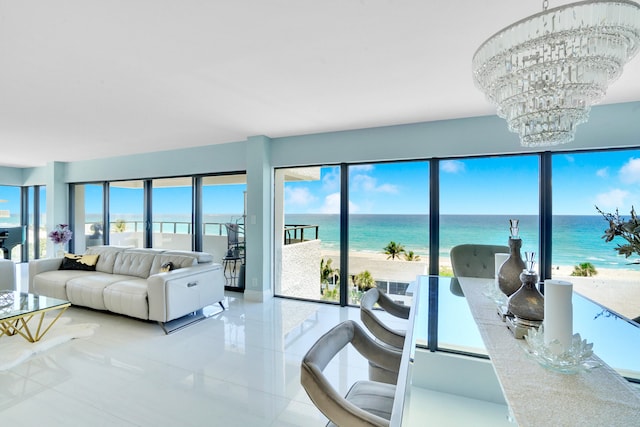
[[331, 180], [611, 200], [332, 205], [363, 182], [452, 166], [368, 183], [387, 188], [570, 159], [630, 172], [603, 173], [300, 196]]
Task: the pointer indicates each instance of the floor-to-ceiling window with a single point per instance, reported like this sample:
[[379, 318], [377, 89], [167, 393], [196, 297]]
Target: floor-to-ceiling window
[[10, 202], [388, 227], [172, 208], [126, 213], [31, 234], [388, 233], [307, 233], [582, 184], [170, 213], [88, 215], [40, 232], [223, 222], [585, 183], [479, 196]]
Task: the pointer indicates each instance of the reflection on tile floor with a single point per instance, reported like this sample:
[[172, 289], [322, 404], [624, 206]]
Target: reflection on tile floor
[[238, 368]]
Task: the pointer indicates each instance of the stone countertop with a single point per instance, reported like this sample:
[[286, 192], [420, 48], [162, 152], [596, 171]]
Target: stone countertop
[[541, 397]]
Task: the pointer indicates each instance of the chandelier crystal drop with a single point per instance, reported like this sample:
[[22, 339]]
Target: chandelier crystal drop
[[546, 71]]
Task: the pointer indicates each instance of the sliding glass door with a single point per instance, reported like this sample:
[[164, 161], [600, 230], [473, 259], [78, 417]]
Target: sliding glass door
[[88, 215], [172, 207], [10, 217], [126, 213], [307, 233], [223, 224]]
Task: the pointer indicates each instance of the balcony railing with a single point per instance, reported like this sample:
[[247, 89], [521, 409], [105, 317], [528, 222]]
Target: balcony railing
[[173, 227], [294, 233]]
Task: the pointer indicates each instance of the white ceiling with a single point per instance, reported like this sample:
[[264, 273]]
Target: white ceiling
[[84, 79]]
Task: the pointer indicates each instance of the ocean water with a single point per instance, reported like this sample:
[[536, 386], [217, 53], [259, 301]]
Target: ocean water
[[576, 239]]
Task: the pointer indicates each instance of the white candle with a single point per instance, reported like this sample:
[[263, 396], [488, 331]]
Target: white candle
[[500, 259], [558, 315]]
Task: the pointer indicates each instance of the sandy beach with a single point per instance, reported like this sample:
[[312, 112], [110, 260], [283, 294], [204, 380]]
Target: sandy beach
[[616, 289]]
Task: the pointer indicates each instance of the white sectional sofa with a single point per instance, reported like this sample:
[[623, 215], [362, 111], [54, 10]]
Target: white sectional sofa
[[129, 281]]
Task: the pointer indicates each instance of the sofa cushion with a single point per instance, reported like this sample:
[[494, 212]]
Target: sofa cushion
[[54, 283], [79, 262], [128, 297], [178, 261], [87, 290], [202, 257], [134, 264], [107, 256]]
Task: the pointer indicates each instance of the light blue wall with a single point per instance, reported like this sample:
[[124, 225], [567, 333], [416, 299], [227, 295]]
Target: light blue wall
[[609, 126], [258, 224], [34, 176], [230, 157], [10, 176]]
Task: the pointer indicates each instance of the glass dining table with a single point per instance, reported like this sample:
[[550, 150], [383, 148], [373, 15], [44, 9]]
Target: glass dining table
[[456, 317]]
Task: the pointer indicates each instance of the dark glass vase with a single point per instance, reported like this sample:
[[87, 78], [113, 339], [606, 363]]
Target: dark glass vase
[[527, 303], [509, 273]]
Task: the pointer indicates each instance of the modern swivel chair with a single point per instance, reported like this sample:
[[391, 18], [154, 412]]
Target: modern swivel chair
[[368, 403], [393, 338], [473, 260]]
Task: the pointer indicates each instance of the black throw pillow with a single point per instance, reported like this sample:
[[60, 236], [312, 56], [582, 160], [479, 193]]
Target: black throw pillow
[[79, 262]]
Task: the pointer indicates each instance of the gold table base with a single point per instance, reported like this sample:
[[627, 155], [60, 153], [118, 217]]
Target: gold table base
[[19, 324]]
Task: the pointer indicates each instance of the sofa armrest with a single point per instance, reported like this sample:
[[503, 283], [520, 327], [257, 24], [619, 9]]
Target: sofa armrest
[[7, 275], [37, 266], [179, 292]]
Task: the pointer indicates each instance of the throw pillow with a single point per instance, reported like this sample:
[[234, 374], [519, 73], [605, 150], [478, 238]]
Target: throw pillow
[[167, 266], [79, 262]]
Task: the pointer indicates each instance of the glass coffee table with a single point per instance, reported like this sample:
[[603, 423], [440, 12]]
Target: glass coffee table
[[17, 309]]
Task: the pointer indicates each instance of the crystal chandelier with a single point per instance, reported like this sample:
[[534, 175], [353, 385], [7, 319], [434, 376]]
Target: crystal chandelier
[[544, 72]]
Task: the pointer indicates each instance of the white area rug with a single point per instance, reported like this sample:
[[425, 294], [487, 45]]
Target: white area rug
[[15, 349]]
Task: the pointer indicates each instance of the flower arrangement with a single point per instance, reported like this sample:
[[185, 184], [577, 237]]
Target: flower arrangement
[[61, 234], [627, 229]]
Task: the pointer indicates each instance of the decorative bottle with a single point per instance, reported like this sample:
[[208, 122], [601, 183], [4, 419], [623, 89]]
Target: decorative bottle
[[527, 303], [509, 273]]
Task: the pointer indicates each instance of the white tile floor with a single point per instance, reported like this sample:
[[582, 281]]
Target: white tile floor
[[238, 368]]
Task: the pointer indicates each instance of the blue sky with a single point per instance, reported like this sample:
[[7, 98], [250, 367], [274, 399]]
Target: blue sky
[[505, 185], [217, 199]]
